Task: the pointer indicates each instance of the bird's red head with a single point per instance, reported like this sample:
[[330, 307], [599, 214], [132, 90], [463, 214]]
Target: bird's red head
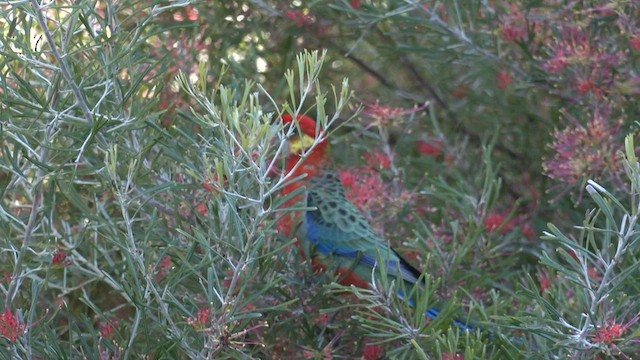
[[299, 142], [307, 124]]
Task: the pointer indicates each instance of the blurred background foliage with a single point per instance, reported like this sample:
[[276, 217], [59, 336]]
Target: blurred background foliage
[[137, 219]]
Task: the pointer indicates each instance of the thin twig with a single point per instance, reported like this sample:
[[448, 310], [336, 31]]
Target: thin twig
[[64, 67]]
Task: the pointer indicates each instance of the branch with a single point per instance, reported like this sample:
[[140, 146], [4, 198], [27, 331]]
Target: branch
[[64, 67]]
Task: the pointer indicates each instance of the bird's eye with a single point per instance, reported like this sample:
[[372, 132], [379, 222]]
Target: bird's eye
[[291, 129]]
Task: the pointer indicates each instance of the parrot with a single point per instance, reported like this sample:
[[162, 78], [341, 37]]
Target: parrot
[[334, 226]]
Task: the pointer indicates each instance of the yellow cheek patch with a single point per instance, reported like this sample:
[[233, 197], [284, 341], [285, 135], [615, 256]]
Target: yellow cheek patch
[[301, 143]]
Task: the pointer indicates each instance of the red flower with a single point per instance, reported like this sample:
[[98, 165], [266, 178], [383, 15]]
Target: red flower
[[432, 148], [363, 186], [413, 256], [202, 209], [504, 80], [192, 13], [594, 274], [355, 4], [60, 260], [545, 282], [385, 113], [299, 18], [201, 321], [634, 43], [514, 33], [557, 64], [378, 160], [207, 186], [584, 151], [372, 352], [10, 326], [495, 221], [608, 334], [528, 231], [514, 25], [460, 92], [164, 267], [108, 329], [586, 86]]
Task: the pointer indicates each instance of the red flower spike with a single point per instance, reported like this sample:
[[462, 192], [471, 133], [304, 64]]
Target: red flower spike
[[504, 80], [202, 209], [545, 282], [608, 334], [108, 329], [495, 221], [378, 160], [383, 114], [634, 43], [163, 268], [60, 260], [10, 326], [372, 352], [514, 33], [201, 320], [584, 151], [299, 18], [432, 148], [207, 187]]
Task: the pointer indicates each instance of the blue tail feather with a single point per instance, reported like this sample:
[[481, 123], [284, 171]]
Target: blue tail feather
[[433, 313]]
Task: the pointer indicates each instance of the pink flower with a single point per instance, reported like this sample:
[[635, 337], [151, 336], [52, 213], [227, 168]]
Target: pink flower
[[60, 260], [585, 86], [513, 33], [528, 231], [584, 151], [202, 209], [379, 202], [577, 51], [431, 148], [634, 43], [556, 64], [613, 329], [372, 352], [385, 113], [363, 186], [594, 274], [514, 27], [497, 220], [192, 13], [108, 329], [10, 326], [504, 80], [201, 321], [163, 268], [299, 18], [545, 282], [610, 333], [378, 160]]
